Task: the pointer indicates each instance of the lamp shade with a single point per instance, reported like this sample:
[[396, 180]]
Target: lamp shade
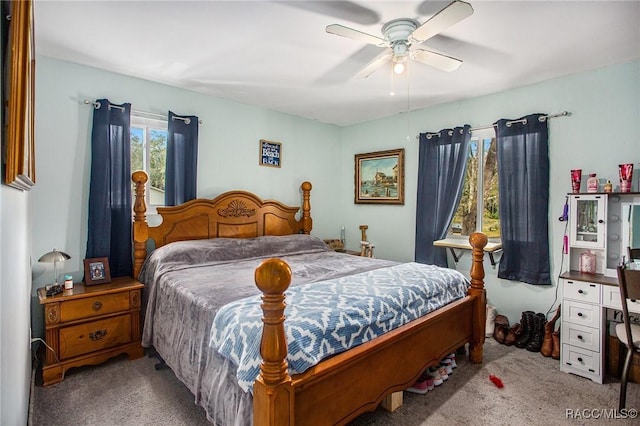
[[54, 256]]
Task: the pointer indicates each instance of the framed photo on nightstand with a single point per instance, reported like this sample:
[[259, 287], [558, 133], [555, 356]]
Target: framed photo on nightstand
[[96, 271]]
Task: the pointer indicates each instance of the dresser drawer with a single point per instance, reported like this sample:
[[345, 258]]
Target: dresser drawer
[[581, 291], [581, 313], [581, 359], [611, 299], [581, 336], [90, 307], [94, 336]]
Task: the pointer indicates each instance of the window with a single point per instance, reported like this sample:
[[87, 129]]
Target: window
[[478, 209], [149, 153]]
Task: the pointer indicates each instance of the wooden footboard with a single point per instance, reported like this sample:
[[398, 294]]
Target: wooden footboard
[[344, 386]]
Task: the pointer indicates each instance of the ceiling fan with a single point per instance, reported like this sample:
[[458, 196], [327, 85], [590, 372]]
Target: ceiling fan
[[402, 35]]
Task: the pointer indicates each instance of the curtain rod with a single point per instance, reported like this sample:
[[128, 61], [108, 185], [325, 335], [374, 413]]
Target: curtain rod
[[509, 123], [187, 120]]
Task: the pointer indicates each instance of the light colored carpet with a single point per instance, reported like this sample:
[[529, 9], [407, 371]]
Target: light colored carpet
[[123, 392]]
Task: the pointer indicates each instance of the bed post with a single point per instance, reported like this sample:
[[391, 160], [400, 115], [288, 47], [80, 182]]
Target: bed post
[[273, 393], [478, 241], [306, 220], [140, 225]]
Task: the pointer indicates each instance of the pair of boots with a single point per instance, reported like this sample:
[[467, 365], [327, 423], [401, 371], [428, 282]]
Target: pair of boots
[[503, 333], [532, 334], [551, 341], [498, 327]]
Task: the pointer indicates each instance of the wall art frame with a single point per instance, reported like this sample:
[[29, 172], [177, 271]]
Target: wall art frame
[[19, 82], [96, 271], [270, 153], [379, 177]]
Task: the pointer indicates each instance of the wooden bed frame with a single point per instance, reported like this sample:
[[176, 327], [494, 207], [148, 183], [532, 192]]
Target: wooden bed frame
[[346, 385]]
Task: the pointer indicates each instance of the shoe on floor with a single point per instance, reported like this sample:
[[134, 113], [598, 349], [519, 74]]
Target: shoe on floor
[[435, 376], [446, 363], [452, 358], [430, 384], [419, 387], [443, 373]]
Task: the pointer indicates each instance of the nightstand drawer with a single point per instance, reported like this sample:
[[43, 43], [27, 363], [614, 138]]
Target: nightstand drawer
[[90, 307], [94, 336]]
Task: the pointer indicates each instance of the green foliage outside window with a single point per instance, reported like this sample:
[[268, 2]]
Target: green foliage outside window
[[154, 158], [157, 160], [466, 217]]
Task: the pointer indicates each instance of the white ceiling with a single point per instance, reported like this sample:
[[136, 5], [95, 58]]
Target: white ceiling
[[277, 55]]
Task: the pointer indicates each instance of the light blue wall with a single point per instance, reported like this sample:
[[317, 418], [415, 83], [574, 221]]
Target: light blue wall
[[227, 157], [601, 133], [15, 290]]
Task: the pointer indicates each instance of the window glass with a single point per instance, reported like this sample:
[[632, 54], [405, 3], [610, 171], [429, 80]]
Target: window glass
[[149, 153], [479, 204]]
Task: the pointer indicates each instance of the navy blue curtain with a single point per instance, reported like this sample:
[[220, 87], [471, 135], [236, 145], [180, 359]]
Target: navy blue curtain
[[523, 179], [110, 187], [182, 159], [441, 169]]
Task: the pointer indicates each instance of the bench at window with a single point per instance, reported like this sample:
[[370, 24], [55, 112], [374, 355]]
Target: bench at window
[[463, 244]]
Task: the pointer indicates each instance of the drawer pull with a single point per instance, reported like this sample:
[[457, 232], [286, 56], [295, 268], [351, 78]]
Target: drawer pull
[[579, 337], [579, 359], [97, 305], [581, 291], [580, 314], [97, 335]]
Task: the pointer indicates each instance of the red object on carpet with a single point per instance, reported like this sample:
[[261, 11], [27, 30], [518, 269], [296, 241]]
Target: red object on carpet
[[496, 381]]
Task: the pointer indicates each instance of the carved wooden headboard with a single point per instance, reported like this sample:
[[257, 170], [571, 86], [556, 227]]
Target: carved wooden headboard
[[234, 214]]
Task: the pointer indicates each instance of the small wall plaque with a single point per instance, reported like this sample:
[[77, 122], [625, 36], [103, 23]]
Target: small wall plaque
[[270, 153]]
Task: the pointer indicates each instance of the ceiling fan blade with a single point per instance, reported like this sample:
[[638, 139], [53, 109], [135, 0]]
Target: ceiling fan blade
[[375, 64], [455, 12], [343, 31], [437, 60]]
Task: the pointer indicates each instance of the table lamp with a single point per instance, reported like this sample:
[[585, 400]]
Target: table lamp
[[54, 256]]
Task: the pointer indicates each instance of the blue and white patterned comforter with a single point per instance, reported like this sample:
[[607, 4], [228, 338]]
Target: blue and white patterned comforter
[[328, 317]]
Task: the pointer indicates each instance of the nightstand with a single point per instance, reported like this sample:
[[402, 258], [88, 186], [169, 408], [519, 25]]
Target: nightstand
[[90, 324]]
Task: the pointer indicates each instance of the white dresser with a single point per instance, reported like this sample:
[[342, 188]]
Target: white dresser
[[584, 322], [597, 226]]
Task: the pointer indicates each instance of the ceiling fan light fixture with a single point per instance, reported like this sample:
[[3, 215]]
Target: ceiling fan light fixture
[[398, 67], [399, 62]]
